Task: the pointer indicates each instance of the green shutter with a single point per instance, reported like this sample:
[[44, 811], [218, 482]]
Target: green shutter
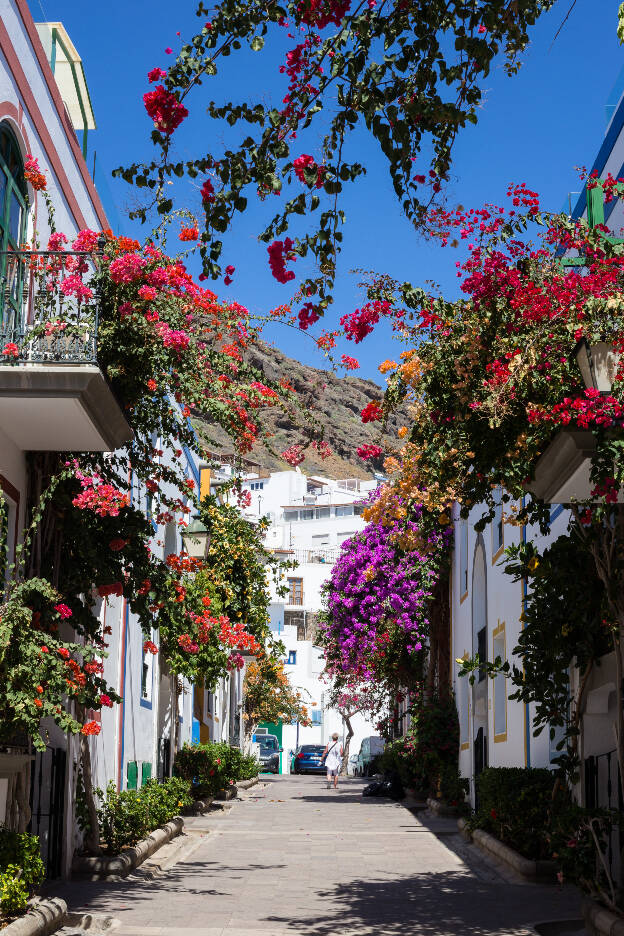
[[133, 775], [146, 772]]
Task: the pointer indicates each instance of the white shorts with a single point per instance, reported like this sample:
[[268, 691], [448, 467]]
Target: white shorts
[[332, 771]]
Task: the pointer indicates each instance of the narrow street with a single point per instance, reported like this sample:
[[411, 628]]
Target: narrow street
[[295, 858]]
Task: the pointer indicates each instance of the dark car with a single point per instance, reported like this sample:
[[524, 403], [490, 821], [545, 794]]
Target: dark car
[[308, 758], [269, 753]]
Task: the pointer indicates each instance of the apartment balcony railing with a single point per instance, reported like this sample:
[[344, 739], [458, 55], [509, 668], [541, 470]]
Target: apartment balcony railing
[[313, 555], [53, 395], [49, 308]]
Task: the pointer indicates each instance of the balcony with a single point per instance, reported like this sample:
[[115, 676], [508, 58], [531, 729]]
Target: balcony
[[53, 395]]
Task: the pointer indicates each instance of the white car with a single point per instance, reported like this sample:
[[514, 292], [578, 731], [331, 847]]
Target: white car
[[352, 765]]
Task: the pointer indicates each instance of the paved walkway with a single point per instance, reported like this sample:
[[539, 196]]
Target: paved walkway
[[294, 858]]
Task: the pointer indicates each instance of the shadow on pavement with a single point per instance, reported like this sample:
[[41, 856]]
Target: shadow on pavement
[[433, 904]]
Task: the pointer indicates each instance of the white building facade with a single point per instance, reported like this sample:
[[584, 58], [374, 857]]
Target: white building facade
[[310, 518]]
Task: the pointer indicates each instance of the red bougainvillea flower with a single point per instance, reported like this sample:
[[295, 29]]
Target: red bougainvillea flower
[[279, 252], [106, 700], [63, 610], [207, 192], [10, 350], [91, 728], [308, 315], [189, 234], [43, 649], [150, 647], [155, 75], [304, 162], [64, 652], [350, 363], [164, 109], [148, 293], [293, 455], [152, 385], [370, 451], [372, 411], [117, 544], [38, 703], [33, 174]]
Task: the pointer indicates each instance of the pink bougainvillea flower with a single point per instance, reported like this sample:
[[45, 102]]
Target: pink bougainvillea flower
[[63, 610], [10, 350]]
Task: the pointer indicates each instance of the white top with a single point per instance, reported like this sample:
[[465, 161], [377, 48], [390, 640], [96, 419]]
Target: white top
[[334, 756]]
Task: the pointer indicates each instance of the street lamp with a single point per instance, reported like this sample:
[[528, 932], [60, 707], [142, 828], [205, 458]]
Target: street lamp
[[196, 539], [598, 364]]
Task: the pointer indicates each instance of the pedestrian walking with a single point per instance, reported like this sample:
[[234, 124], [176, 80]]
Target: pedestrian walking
[[332, 758]]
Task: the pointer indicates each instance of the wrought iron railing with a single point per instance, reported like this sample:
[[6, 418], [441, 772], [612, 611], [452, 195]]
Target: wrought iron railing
[[49, 307], [313, 555]]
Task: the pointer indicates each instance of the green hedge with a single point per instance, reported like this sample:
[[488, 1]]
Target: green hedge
[[515, 805], [213, 766], [125, 818], [426, 758], [21, 869]]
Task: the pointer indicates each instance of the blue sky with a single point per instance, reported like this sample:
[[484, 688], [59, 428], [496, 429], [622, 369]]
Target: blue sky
[[533, 128]]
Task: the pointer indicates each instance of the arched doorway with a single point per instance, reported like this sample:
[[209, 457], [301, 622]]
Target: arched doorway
[[479, 645]]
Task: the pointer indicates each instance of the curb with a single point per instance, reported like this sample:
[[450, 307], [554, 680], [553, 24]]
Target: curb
[[598, 920], [246, 784], [41, 918], [102, 868], [542, 870], [199, 807]]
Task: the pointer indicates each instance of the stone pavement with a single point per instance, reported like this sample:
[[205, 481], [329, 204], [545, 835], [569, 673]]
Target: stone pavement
[[295, 859]]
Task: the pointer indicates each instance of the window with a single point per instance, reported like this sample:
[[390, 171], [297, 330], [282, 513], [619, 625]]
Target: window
[[322, 513], [497, 524], [292, 657], [358, 510], [295, 589], [464, 713], [257, 485], [500, 686], [482, 651], [463, 558], [344, 511], [147, 670], [12, 220], [307, 514], [316, 716]]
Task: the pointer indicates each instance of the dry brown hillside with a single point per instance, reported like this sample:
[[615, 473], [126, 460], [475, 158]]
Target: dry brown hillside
[[336, 402]]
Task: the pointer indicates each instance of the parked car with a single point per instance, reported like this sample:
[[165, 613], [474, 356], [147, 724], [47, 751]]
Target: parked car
[[308, 758], [370, 748], [269, 755], [352, 765]]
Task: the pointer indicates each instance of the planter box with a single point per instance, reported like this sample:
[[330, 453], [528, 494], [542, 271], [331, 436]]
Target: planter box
[[599, 921], [41, 918], [543, 871], [440, 808], [224, 795], [103, 867]]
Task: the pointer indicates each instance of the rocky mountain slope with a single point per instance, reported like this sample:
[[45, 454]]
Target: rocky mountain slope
[[334, 402]]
